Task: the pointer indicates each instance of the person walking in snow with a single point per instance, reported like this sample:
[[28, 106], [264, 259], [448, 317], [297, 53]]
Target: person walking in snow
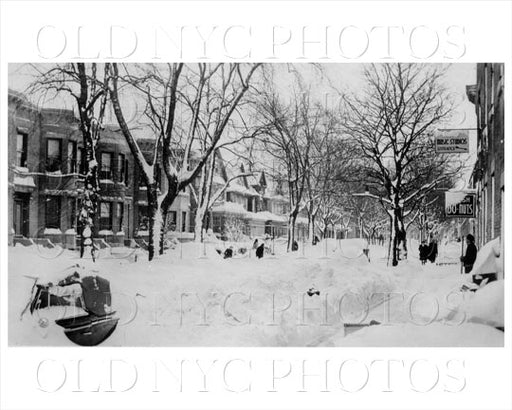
[[432, 250], [469, 258], [423, 252]]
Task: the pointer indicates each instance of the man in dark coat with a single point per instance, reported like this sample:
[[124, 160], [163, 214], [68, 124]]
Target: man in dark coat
[[469, 258], [432, 250], [423, 252]]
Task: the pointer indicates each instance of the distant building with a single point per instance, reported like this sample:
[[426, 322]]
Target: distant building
[[488, 176], [254, 205]]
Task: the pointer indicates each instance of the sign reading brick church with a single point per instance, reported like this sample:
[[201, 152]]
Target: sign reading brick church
[[452, 142], [460, 204]]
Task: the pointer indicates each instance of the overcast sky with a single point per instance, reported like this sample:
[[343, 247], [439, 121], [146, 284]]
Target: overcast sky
[[342, 77]]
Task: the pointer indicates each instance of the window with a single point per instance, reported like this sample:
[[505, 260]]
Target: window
[[72, 160], [106, 216], [53, 212], [183, 222], [126, 180], [106, 165], [172, 219], [491, 69], [53, 155], [228, 196], [141, 183], [21, 149], [493, 206], [249, 204], [80, 160], [120, 216], [121, 176], [143, 218], [72, 215]]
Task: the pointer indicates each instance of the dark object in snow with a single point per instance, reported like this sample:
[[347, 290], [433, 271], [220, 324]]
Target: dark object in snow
[[315, 240], [255, 244], [228, 253], [313, 291], [97, 324], [352, 327], [260, 250], [242, 251], [218, 251], [295, 246], [88, 330], [484, 278]]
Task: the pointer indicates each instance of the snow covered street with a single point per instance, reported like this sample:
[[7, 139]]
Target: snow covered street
[[192, 297]]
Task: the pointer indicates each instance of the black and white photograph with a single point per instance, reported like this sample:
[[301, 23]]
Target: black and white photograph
[[255, 204], [249, 204]]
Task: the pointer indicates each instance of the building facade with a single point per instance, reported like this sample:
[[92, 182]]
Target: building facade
[[46, 174], [488, 178]]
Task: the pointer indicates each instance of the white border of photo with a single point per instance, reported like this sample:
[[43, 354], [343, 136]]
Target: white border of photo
[[294, 378]]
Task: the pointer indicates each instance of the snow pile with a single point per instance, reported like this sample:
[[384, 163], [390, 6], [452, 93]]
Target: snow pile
[[230, 208], [191, 296], [24, 180], [52, 231], [433, 335], [487, 305], [489, 259]]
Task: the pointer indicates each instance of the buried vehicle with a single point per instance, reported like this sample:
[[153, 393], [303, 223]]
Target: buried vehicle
[[91, 293]]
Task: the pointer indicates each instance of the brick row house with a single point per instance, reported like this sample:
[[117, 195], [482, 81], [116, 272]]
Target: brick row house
[[45, 155], [488, 178], [45, 178]]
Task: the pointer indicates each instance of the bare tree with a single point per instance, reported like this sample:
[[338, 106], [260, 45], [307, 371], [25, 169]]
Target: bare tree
[[393, 124], [221, 86], [291, 130], [87, 84]]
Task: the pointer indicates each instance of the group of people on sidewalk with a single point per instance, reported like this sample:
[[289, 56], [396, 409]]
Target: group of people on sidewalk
[[428, 252]]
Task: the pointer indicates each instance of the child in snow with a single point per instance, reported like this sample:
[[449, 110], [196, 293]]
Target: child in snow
[[260, 250]]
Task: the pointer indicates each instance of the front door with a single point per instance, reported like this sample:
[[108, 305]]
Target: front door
[[21, 215]]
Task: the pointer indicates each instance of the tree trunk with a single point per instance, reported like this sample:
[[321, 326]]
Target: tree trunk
[[89, 203], [199, 224], [291, 229], [155, 220], [398, 236], [311, 228], [164, 204]]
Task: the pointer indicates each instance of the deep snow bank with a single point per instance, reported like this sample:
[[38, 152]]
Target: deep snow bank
[[193, 297]]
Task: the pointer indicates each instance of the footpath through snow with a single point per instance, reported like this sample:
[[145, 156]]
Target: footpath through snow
[[193, 297]]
